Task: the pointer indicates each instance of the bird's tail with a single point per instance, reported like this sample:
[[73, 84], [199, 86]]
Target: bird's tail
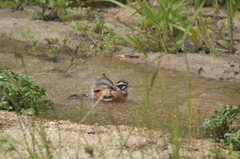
[[77, 96]]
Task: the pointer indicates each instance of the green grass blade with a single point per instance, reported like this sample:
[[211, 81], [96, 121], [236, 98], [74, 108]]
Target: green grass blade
[[127, 25], [215, 32], [161, 41], [224, 43], [193, 19], [133, 42], [137, 44], [195, 40], [133, 11], [197, 30]]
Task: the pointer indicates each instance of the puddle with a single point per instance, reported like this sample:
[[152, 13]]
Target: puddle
[[169, 96]]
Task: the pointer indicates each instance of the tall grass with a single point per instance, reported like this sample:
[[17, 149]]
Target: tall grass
[[162, 28], [165, 28], [232, 7]]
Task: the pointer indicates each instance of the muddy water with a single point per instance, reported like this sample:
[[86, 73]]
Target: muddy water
[[170, 100]]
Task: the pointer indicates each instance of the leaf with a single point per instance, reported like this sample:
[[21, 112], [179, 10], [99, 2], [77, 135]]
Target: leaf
[[199, 33], [133, 42], [195, 40], [224, 43], [189, 27]]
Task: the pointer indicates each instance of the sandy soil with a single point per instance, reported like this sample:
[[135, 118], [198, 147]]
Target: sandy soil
[[70, 140]]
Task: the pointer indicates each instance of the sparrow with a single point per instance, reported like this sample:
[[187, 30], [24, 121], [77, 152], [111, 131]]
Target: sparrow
[[111, 91]]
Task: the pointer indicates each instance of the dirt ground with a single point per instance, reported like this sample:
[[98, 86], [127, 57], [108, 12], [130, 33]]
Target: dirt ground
[[71, 140], [156, 145]]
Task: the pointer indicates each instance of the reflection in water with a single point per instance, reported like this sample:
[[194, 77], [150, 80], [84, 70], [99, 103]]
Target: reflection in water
[[167, 103]]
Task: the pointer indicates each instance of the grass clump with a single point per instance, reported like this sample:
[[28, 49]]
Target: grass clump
[[28, 34], [20, 94], [95, 36], [160, 28], [54, 9], [223, 126], [231, 10]]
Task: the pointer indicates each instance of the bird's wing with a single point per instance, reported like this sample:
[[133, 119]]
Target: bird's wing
[[104, 81]]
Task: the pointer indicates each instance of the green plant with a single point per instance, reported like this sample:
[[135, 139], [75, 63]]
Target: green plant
[[89, 28], [53, 52], [13, 3], [54, 47], [110, 43], [163, 28], [83, 26], [231, 9], [223, 125], [216, 153], [202, 31], [89, 13], [2, 34], [28, 34], [58, 9], [19, 93], [93, 31], [233, 138], [160, 25]]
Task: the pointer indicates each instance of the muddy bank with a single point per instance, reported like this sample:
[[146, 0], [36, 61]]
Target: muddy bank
[[223, 67], [226, 68]]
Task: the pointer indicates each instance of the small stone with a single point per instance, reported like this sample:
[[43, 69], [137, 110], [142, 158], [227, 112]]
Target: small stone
[[207, 51], [236, 72]]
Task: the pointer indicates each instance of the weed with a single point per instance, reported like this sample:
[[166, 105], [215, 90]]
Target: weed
[[110, 43], [28, 34], [20, 94], [90, 14], [203, 30], [223, 125], [232, 138], [52, 41], [231, 9], [166, 28], [2, 34], [58, 9], [216, 153], [54, 47], [70, 65], [53, 52], [84, 27], [162, 28], [92, 34], [12, 3]]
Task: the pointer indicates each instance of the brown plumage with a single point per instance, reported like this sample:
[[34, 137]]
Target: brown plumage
[[112, 92]]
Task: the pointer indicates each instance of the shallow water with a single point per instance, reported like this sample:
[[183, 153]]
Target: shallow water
[[172, 96]]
